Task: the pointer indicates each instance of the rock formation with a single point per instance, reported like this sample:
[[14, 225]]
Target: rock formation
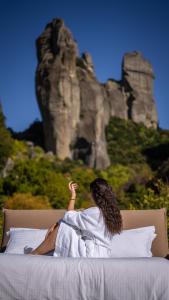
[[75, 107], [138, 79]]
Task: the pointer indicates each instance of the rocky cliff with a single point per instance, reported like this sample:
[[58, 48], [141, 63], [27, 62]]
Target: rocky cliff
[[75, 107]]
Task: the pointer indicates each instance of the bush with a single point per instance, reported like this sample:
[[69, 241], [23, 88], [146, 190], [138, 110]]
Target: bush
[[163, 171], [27, 201], [117, 175], [1, 222], [6, 142], [19, 147], [38, 178], [142, 197]]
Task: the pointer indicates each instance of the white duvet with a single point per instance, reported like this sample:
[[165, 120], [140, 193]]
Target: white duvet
[[35, 277]]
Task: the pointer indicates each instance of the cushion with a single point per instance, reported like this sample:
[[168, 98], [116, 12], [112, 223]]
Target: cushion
[[24, 240], [133, 242], [131, 219]]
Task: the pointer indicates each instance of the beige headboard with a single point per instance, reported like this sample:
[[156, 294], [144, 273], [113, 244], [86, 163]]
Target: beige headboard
[[131, 219]]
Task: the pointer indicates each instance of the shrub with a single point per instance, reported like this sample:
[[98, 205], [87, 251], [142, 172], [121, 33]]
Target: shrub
[[1, 222], [19, 147], [142, 197], [27, 201], [37, 178], [117, 175], [6, 142], [163, 171]]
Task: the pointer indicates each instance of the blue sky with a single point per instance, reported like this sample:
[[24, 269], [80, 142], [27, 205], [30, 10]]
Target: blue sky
[[106, 29]]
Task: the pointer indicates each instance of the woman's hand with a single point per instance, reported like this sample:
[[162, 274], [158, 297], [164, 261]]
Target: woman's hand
[[72, 188]]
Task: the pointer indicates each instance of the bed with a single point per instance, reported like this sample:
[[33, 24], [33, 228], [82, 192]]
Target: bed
[[47, 277]]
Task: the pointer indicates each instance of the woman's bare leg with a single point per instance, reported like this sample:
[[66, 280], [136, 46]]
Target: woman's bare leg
[[48, 244]]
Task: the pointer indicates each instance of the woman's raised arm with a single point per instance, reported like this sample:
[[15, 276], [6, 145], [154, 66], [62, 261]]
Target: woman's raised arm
[[72, 188]]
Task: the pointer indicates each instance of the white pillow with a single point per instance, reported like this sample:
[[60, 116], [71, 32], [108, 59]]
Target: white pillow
[[128, 244], [133, 242], [23, 240], [18, 228]]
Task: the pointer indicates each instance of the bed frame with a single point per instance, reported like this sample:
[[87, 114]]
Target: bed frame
[[131, 219]]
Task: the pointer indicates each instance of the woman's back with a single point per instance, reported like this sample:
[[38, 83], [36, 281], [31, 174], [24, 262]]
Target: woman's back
[[82, 233]]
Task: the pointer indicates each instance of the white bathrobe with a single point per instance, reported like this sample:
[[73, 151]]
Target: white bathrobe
[[83, 234]]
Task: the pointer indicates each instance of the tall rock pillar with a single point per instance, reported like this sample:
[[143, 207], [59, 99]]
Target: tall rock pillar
[[57, 87], [138, 77]]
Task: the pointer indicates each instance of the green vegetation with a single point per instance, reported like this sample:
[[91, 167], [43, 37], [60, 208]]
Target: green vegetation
[[131, 143], [45, 178], [6, 142], [1, 222], [138, 173], [27, 201], [34, 133], [154, 197]]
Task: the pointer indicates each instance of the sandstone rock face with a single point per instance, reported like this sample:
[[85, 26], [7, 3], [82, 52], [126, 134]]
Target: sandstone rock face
[[90, 142], [75, 107], [138, 86]]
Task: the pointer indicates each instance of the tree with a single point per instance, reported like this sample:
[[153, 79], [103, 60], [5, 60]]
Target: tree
[[6, 141]]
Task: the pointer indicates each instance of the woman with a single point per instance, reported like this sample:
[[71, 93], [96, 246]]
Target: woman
[[85, 233]]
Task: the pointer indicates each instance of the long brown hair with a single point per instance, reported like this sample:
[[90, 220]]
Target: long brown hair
[[105, 199]]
